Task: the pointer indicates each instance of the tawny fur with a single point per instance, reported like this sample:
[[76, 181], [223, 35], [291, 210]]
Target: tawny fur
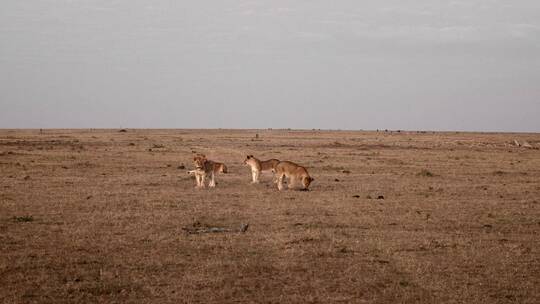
[[258, 166], [204, 169], [294, 173]]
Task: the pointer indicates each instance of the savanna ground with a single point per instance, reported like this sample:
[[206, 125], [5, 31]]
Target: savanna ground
[[97, 216]]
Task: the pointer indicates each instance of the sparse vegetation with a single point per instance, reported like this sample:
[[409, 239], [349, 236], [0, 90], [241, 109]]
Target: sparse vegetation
[[109, 228], [24, 218], [425, 172]]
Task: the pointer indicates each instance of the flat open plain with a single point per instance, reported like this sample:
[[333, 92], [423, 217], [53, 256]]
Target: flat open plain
[[97, 216]]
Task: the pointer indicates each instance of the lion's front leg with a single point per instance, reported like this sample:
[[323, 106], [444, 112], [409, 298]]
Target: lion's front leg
[[255, 176], [200, 180], [197, 183], [280, 182], [203, 181], [197, 177]]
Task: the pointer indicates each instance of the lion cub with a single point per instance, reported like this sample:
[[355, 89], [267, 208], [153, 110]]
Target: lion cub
[[258, 166], [206, 168], [294, 173]]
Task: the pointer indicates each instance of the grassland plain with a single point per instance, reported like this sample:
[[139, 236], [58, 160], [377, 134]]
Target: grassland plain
[[90, 216]]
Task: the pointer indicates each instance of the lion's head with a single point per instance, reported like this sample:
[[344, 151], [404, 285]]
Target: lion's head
[[199, 161], [249, 159], [306, 181]]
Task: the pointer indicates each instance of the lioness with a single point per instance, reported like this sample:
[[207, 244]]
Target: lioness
[[204, 168], [258, 166], [293, 172]]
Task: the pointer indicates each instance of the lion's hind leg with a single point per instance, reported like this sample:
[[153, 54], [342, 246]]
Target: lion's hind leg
[[212, 183], [292, 182]]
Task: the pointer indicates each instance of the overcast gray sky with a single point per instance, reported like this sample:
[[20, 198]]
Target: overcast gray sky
[[426, 64]]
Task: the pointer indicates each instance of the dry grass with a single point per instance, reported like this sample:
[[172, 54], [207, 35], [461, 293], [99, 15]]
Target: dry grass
[[97, 216]]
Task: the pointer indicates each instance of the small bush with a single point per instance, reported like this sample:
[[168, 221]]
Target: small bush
[[23, 219], [425, 172]]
